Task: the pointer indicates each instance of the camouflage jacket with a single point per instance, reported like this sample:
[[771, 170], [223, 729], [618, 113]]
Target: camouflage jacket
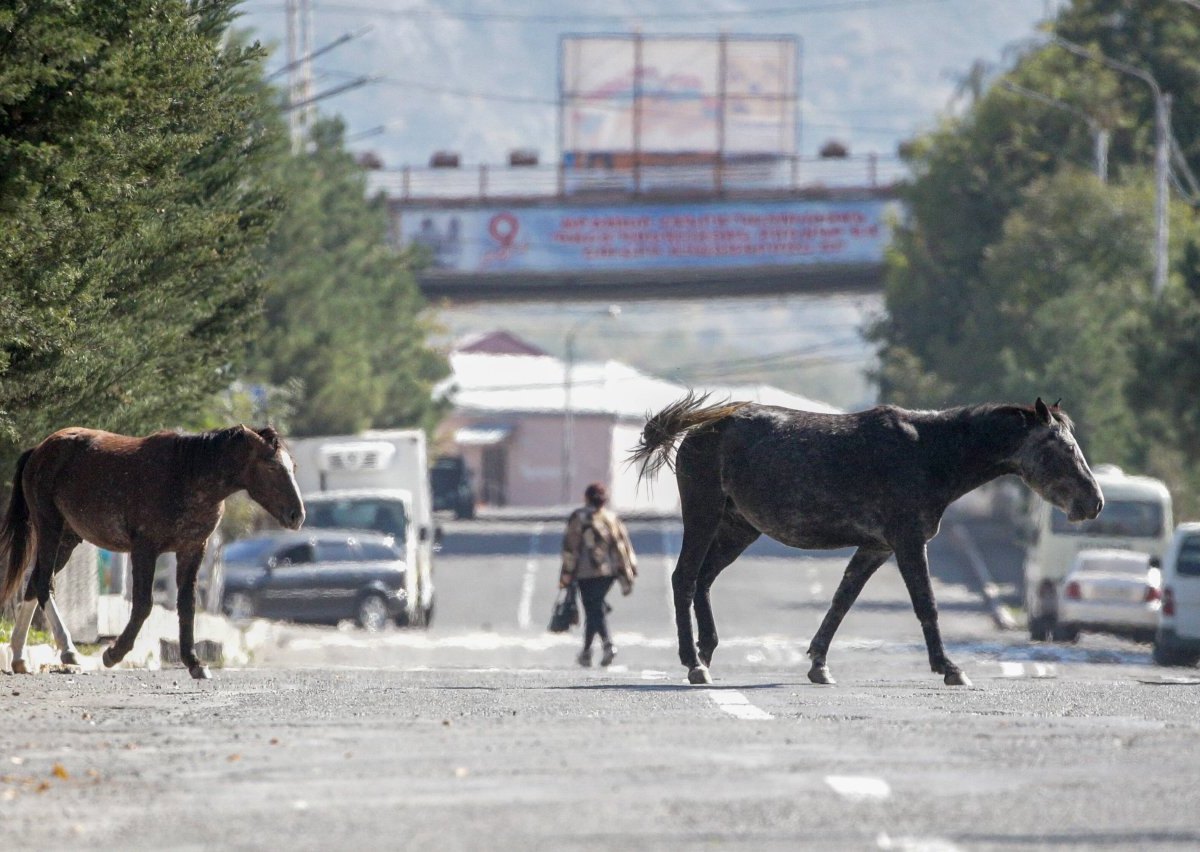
[[596, 544]]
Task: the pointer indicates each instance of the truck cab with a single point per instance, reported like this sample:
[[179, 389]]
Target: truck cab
[[1136, 516]]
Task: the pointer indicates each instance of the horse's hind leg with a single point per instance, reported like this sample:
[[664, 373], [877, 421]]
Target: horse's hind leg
[[20, 634], [54, 549], [862, 565], [914, 568], [187, 566], [734, 535], [142, 558]]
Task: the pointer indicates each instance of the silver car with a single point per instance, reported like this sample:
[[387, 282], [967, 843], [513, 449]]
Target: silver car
[[1111, 591]]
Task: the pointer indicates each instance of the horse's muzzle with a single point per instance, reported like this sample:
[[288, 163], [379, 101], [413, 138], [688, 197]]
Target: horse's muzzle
[[293, 518], [1086, 509]]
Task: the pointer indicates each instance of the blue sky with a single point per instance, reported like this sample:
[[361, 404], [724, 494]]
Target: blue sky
[[480, 76]]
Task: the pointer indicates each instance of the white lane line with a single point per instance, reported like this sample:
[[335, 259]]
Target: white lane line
[[737, 705], [1033, 670], [859, 787], [914, 844], [668, 562], [653, 674], [529, 581]]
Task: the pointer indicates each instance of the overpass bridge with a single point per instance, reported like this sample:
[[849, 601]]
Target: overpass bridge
[[644, 231]]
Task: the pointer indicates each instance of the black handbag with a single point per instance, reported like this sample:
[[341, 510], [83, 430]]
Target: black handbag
[[566, 610]]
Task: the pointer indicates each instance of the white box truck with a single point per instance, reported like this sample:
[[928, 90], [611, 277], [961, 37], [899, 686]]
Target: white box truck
[[377, 480], [1136, 516]]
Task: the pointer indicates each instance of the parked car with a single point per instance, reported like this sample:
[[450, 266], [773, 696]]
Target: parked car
[[1177, 642], [387, 511], [316, 576], [452, 489], [1111, 591]]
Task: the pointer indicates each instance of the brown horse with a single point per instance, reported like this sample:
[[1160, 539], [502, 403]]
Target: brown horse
[[141, 496]]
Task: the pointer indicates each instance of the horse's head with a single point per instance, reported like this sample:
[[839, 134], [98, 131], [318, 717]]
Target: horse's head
[[269, 475], [1051, 463]]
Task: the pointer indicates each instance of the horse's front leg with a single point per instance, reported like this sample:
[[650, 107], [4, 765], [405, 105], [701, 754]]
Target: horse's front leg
[[914, 568], [142, 560], [862, 565], [187, 567]]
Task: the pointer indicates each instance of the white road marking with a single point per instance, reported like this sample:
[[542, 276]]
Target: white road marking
[[859, 787], [738, 705], [529, 581], [915, 844], [1034, 670], [668, 562], [652, 674]]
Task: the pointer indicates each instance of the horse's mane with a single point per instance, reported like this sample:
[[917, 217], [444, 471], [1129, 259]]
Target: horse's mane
[[1027, 411], [205, 452]]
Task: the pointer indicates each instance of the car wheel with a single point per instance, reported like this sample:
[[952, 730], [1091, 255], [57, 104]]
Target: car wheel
[[240, 606], [1039, 628], [372, 613]]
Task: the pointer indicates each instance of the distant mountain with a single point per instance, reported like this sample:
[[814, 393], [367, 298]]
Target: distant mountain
[[479, 77]]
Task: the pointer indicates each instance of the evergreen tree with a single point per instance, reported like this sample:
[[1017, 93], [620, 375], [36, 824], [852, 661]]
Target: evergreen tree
[[343, 312], [133, 197]]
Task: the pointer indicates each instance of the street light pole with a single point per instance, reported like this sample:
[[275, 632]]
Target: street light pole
[[1100, 135], [1162, 151], [568, 432]]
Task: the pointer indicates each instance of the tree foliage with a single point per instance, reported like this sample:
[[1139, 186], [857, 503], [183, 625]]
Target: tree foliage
[[133, 199], [343, 312], [1018, 273]]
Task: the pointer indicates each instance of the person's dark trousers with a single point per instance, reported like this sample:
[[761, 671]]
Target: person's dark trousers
[[592, 592]]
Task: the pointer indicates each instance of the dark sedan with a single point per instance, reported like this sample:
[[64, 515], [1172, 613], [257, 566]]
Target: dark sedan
[[316, 576]]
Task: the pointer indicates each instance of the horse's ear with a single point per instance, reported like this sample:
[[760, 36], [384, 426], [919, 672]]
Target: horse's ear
[[1043, 413], [268, 434]]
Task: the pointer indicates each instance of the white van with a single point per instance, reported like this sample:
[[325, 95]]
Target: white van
[[367, 471], [1136, 516], [1177, 642]]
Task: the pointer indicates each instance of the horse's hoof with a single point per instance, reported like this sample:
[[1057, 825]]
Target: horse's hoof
[[108, 658], [200, 672], [69, 658], [699, 676], [20, 667], [957, 679], [820, 674]]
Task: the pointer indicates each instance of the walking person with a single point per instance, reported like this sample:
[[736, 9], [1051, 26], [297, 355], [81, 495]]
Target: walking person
[[596, 553]]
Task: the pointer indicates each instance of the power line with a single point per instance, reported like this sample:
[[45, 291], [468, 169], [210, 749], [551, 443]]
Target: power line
[[418, 14]]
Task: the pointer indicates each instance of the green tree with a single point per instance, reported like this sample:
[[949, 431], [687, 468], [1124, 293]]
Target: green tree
[[1015, 273], [133, 199], [344, 315]]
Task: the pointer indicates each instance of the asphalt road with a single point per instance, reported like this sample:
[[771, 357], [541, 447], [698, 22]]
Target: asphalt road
[[482, 733]]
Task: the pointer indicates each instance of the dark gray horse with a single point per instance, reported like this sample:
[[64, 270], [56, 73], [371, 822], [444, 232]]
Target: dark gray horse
[[876, 480]]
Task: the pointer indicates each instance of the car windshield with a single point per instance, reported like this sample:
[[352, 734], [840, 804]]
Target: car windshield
[[1187, 563], [385, 516], [248, 551], [1133, 518]]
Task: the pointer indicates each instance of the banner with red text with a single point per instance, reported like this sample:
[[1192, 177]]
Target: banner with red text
[[646, 237]]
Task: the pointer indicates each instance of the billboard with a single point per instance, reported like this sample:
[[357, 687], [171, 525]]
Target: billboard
[[573, 239], [729, 94]]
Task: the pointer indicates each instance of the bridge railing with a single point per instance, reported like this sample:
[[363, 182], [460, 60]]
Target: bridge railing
[[784, 175]]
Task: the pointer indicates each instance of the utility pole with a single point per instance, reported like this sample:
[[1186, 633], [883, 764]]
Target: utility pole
[[1162, 153]]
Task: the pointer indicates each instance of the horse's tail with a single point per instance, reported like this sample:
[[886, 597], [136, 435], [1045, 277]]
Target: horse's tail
[[15, 533], [663, 430]]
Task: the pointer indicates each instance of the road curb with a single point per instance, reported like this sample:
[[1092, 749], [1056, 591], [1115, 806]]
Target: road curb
[[227, 645], [988, 589]]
